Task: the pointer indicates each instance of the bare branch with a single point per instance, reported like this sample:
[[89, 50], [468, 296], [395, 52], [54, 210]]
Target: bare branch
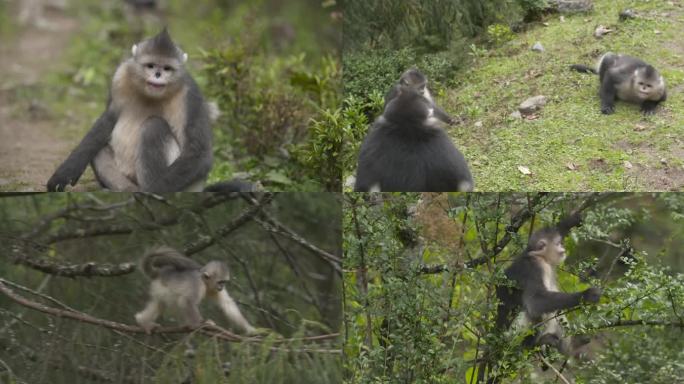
[[207, 329], [244, 217]]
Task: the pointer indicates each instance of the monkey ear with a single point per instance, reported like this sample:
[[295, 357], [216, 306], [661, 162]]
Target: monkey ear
[[540, 248], [205, 276], [134, 49]]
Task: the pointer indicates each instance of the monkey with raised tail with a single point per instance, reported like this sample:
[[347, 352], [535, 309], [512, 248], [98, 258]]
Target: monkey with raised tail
[[181, 283]]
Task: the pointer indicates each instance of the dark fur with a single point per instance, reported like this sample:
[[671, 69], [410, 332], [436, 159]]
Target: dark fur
[[152, 173], [616, 72], [403, 151], [417, 80]]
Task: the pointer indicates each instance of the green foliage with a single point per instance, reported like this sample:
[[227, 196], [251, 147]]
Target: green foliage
[[375, 71], [405, 325], [271, 107], [533, 8], [354, 121], [498, 34], [428, 26]]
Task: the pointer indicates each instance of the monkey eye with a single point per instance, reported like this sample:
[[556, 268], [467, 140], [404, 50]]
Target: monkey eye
[[168, 68], [149, 65]]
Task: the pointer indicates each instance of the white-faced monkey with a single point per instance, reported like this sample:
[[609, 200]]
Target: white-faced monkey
[[629, 79], [155, 134], [180, 283], [535, 298]]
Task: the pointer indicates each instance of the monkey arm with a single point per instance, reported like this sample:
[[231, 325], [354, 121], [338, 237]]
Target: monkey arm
[[566, 224], [541, 301], [607, 94], [74, 166], [195, 160], [232, 312], [440, 114]]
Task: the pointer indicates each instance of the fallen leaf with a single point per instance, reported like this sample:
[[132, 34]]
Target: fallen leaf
[[663, 161], [628, 165], [571, 166], [639, 127], [524, 170]]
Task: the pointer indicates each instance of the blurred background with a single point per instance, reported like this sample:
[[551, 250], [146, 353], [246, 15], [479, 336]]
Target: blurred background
[[272, 66]]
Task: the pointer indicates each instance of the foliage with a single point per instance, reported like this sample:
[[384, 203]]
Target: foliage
[[533, 8], [354, 120], [406, 324], [428, 26], [280, 285], [497, 34], [368, 72]]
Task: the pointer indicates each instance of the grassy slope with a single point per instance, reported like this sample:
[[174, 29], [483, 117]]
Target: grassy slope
[[571, 129]]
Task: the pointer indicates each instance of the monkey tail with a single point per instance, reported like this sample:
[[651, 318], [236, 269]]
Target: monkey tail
[[583, 68], [235, 185], [165, 258]]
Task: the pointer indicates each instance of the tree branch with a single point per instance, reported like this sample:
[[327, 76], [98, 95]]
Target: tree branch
[[207, 329], [247, 215]]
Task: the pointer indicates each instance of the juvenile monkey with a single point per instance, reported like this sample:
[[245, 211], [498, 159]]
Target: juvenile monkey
[[415, 79], [629, 79], [155, 133], [181, 283], [535, 297]]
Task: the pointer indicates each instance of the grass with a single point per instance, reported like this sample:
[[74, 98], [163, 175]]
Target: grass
[[570, 132]]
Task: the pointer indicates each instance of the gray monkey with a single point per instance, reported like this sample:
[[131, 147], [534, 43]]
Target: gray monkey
[[181, 283]]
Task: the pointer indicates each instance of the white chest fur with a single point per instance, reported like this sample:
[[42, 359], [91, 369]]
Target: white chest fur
[[126, 136]]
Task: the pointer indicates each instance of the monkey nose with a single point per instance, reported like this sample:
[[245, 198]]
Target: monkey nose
[[157, 75]]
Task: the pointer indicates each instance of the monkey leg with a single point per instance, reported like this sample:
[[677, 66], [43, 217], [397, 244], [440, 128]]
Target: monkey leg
[[108, 174], [147, 316], [190, 309], [158, 149]]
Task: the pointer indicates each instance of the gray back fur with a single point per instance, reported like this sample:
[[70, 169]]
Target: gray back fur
[[162, 260]]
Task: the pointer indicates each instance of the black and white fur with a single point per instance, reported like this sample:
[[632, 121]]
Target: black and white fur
[[629, 79], [407, 149], [417, 80], [180, 283], [155, 134], [534, 298]]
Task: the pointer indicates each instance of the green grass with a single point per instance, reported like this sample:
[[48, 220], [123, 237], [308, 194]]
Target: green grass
[[571, 129]]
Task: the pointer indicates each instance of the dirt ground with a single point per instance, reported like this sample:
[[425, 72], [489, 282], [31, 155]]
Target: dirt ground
[[30, 149]]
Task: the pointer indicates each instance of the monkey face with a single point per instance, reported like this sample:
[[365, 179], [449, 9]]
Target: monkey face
[[557, 251], [645, 86], [157, 77]]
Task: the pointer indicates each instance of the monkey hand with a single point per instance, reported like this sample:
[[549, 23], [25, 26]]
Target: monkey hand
[[209, 322], [607, 109], [66, 174], [592, 295]]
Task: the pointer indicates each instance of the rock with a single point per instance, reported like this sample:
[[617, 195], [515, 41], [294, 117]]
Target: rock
[[538, 47], [478, 124], [627, 14], [532, 104], [601, 30], [516, 115], [571, 6]]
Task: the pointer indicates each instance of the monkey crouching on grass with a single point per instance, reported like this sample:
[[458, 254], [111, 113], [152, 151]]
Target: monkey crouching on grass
[[181, 283], [629, 79]]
